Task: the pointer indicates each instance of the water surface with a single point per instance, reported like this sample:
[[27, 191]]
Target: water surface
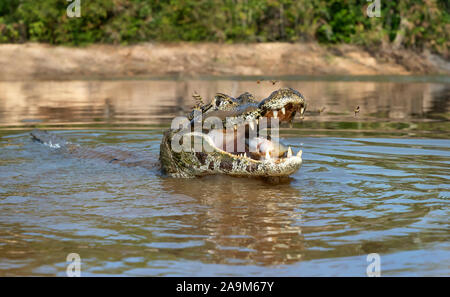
[[377, 182]]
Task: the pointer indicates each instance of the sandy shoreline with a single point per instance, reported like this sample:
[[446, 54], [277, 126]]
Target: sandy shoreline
[[41, 61]]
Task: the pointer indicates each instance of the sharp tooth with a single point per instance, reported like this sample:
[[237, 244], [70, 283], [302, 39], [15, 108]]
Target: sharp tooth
[[257, 121], [289, 152], [252, 125], [299, 154], [302, 109], [283, 110], [235, 127], [245, 155], [267, 155], [275, 113]]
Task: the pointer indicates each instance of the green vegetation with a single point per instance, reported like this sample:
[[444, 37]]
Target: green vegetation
[[415, 24]]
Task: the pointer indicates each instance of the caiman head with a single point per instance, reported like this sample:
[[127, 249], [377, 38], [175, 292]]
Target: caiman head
[[233, 136]]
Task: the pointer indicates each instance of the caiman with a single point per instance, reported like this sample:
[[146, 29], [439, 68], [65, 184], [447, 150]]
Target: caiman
[[257, 155]]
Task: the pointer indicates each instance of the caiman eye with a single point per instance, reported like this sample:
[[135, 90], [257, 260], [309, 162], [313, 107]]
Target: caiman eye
[[219, 99]]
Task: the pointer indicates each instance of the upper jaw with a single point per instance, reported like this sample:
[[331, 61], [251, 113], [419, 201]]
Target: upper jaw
[[283, 104]]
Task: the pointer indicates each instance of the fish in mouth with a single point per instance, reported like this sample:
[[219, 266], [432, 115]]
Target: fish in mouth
[[234, 136]]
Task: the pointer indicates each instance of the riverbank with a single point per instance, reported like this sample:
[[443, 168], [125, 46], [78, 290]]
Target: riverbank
[[46, 62]]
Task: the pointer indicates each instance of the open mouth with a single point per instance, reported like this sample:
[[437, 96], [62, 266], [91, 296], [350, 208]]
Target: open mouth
[[287, 112], [234, 136], [252, 139]]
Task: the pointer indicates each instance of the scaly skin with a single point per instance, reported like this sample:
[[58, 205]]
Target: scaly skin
[[214, 160], [106, 153]]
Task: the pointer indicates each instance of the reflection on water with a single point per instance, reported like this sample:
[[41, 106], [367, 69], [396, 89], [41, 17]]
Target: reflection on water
[[246, 222], [158, 101], [387, 193]]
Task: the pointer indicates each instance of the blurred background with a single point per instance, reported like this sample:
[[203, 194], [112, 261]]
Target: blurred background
[[415, 24]]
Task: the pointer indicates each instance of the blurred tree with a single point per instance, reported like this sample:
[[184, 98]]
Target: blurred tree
[[415, 24]]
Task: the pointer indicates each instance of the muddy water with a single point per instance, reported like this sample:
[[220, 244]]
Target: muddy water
[[377, 182]]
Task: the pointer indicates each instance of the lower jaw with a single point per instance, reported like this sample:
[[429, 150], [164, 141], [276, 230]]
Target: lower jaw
[[245, 167]]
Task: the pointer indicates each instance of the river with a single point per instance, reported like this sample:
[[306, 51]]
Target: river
[[377, 181]]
